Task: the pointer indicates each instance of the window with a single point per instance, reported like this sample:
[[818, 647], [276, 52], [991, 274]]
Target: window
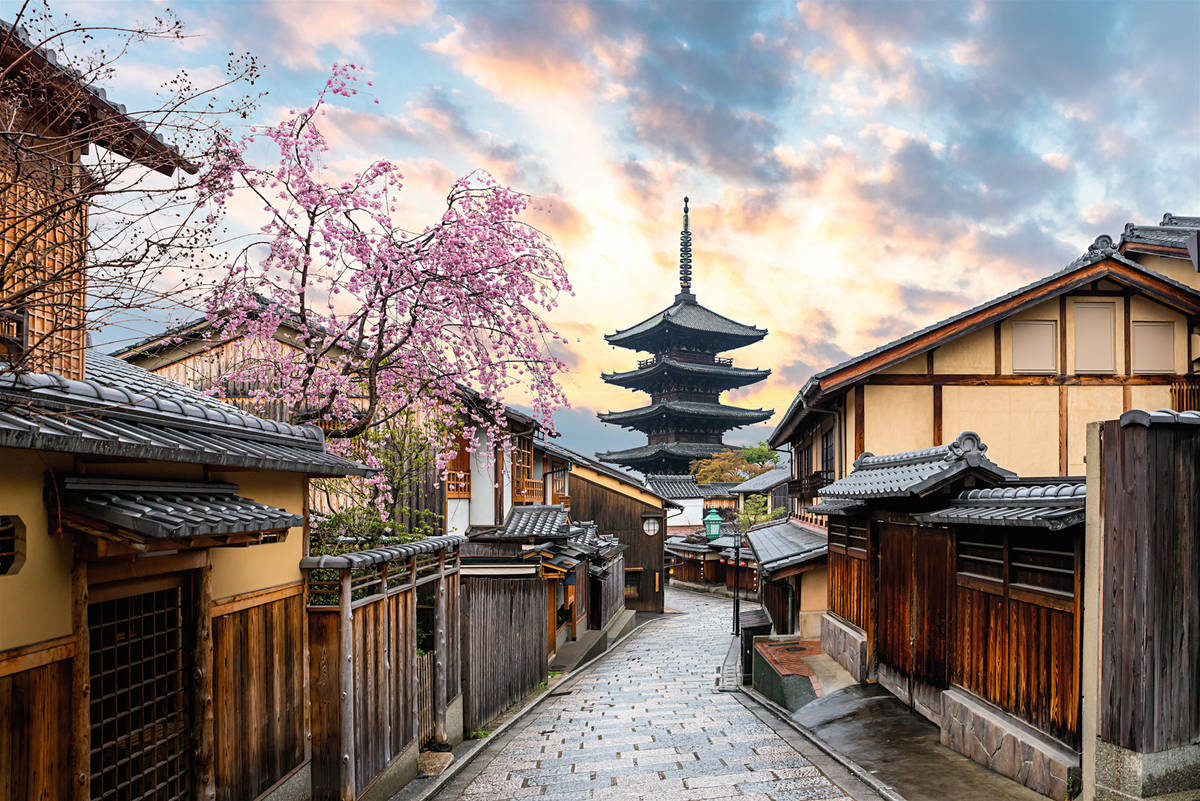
[[12, 544], [828, 463], [1095, 343], [1153, 347], [1034, 346], [458, 472]]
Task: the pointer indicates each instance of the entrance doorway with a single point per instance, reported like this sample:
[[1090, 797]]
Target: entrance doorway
[[140, 711]]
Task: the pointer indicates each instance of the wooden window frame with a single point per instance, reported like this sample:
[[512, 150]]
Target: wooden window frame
[[1054, 335]]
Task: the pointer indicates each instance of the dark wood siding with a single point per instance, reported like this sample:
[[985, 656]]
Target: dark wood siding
[[35, 712], [258, 696], [851, 586], [895, 593], [1015, 640], [915, 572], [621, 515], [775, 600], [503, 644], [1150, 580]]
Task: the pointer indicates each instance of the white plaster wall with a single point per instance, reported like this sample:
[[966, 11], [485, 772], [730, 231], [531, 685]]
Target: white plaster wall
[[483, 493], [692, 515], [458, 515]]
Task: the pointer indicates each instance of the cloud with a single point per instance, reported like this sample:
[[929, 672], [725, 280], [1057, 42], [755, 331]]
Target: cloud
[[300, 36]]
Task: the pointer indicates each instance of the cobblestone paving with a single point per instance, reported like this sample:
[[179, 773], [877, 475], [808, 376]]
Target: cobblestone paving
[[647, 722]]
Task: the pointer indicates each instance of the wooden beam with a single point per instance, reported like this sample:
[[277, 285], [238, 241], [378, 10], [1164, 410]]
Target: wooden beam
[[929, 362], [439, 656], [1018, 380], [18, 660], [245, 600], [81, 684], [1128, 338], [203, 736], [996, 343], [1062, 334], [1062, 431], [937, 414], [860, 418], [140, 567], [1126, 398], [346, 784]]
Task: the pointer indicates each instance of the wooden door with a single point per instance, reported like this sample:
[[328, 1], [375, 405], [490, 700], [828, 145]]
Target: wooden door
[[915, 574], [140, 711]]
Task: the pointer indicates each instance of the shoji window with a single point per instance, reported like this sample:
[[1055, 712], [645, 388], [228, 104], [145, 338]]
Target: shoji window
[[1153, 347], [1095, 340], [1034, 346]]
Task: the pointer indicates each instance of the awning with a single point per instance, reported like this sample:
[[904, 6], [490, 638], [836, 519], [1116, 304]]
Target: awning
[[167, 510]]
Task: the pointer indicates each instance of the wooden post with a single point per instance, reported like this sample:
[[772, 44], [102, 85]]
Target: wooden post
[[203, 743], [346, 688], [387, 663], [439, 657], [81, 684], [412, 667]]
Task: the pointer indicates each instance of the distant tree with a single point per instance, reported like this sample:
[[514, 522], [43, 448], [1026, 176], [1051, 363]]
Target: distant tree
[[735, 465], [754, 511]]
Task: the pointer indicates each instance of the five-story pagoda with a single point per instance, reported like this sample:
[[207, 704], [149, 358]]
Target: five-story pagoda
[[685, 420]]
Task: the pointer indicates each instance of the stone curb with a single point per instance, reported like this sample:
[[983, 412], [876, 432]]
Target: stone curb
[[856, 770], [467, 757]]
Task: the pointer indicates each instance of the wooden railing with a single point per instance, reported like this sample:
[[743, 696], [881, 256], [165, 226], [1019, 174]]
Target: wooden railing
[[720, 361], [458, 484], [528, 490], [1185, 394], [424, 698], [810, 485]]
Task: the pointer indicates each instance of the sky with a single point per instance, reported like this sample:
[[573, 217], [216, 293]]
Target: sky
[[856, 170]]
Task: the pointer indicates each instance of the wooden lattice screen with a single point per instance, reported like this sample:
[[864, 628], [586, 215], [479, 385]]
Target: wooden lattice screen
[[43, 234], [140, 729]]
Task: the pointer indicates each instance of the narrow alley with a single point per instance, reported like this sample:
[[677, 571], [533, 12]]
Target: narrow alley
[[647, 722]]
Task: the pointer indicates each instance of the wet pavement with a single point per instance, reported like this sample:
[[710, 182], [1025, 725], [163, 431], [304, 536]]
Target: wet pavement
[[870, 726], [647, 722]]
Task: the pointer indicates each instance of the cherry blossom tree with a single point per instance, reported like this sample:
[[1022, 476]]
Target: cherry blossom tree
[[391, 325]]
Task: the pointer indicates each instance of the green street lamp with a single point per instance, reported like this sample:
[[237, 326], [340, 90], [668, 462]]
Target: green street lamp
[[712, 524]]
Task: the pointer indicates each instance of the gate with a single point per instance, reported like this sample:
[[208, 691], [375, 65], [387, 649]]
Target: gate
[[915, 571], [140, 727]]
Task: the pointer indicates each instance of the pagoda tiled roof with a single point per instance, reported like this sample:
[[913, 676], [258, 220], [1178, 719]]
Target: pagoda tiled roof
[[663, 450], [730, 416], [687, 316], [721, 375]]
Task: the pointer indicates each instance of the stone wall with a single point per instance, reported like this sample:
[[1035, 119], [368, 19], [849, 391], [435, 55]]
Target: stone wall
[[978, 730], [1124, 775], [847, 644]]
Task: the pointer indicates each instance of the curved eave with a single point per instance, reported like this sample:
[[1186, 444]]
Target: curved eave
[[712, 341], [727, 416], [713, 374], [650, 454]]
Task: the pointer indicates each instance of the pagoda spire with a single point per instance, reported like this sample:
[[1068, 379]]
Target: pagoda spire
[[685, 254]]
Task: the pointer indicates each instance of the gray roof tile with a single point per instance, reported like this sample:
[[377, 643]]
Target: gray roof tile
[[537, 522], [764, 481], [171, 509], [127, 412], [1053, 504], [1159, 417], [686, 450], [688, 314], [387, 553], [691, 409], [785, 543], [916, 473]]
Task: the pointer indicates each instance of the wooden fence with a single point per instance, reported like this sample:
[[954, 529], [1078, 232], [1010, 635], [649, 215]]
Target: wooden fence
[[366, 681], [611, 596], [425, 698], [503, 644]]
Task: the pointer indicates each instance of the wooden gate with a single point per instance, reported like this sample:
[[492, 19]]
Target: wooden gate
[[915, 574], [140, 721]]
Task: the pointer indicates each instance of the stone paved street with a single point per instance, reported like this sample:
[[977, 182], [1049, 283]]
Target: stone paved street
[[647, 722]]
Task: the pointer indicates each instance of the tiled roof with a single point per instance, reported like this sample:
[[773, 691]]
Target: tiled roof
[[1159, 417], [916, 473], [1054, 504], [732, 415], [785, 543], [836, 506], [682, 487], [723, 375], [649, 453], [135, 140], [568, 455], [170, 509], [687, 314], [1097, 252], [124, 411], [764, 481], [536, 522], [388, 553], [1174, 232]]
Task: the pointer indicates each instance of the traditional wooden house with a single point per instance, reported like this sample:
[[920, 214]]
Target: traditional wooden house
[[790, 558], [957, 585], [1116, 329], [771, 485], [684, 377]]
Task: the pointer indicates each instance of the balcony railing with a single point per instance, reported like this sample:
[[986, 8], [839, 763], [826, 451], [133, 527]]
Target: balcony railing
[[458, 484], [720, 361], [1185, 394], [808, 486], [528, 490]]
